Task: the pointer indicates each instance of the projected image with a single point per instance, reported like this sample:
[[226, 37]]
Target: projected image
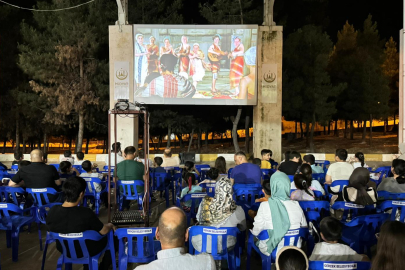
[[193, 65]]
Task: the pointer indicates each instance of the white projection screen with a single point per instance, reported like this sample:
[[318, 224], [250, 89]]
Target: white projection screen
[[195, 64]]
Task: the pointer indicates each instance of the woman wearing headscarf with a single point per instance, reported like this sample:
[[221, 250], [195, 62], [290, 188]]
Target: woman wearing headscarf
[[286, 213], [219, 211]]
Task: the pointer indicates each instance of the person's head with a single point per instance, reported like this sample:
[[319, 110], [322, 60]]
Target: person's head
[[291, 258], [341, 155], [118, 145], [74, 188], [295, 156], [139, 38], [306, 170], [141, 154], [65, 166], [266, 188], [130, 152], [309, 159], [360, 158], [23, 163], [331, 229], [172, 229], [287, 155], [220, 164], [184, 39], [280, 185], [167, 63], [152, 40], [301, 182], [166, 41], [18, 155], [67, 153], [240, 158], [359, 180], [266, 154], [158, 161], [398, 169], [86, 165], [167, 152], [190, 179], [236, 42], [196, 47], [390, 247], [45, 157], [188, 165], [257, 162], [36, 155], [213, 173], [80, 155], [216, 39]]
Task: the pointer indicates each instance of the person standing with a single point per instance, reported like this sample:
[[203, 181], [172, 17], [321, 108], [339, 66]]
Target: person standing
[[183, 54], [215, 54], [141, 61], [197, 69], [237, 63], [153, 56]]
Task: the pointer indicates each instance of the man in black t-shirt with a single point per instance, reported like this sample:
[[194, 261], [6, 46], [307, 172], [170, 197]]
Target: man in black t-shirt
[[70, 218], [291, 166], [37, 175]]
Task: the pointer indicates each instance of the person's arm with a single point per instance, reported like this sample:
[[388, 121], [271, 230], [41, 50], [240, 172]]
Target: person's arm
[[58, 182], [75, 171], [328, 179], [365, 258], [196, 171], [107, 228], [232, 181], [16, 181], [242, 89], [260, 219]]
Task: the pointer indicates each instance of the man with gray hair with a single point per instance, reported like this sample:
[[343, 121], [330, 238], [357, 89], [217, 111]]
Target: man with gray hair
[[168, 160], [172, 233]]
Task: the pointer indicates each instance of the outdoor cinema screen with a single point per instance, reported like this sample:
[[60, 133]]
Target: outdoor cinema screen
[[188, 64]]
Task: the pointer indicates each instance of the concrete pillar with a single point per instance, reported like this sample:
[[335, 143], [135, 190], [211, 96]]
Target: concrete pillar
[[267, 114], [122, 50]]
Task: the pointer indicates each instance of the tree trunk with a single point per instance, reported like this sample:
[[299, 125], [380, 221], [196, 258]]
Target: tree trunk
[[351, 129], [394, 121], [190, 141], [324, 130], [17, 132], [296, 129], [241, 11], [345, 135], [385, 126], [363, 138], [329, 123], [70, 143], [4, 146], [235, 129], [199, 141], [179, 136], [45, 139], [24, 145], [79, 141], [206, 139], [311, 140], [371, 129], [87, 144], [169, 132], [336, 134], [302, 130], [307, 135], [39, 143], [247, 136]]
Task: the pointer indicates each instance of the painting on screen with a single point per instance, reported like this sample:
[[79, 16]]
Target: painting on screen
[[195, 65]]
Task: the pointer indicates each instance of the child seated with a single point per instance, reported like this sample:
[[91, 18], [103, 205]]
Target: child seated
[[303, 191], [331, 250], [88, 168], [192, 188], [310, 160], [358, 160], [257, 162], [313, 184], [189, 167], [157, 162], [267, 193], [265, 162]]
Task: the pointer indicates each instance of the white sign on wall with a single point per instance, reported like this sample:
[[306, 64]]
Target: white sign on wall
[[121, 80], [269, 83]]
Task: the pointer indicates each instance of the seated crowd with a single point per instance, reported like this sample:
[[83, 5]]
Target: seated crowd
[[278, 211]]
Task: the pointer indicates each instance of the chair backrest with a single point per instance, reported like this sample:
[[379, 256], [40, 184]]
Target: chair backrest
[[42, 211], [267, 173], [67, 241], [246, 193], [320, 265], [323, 164], [56, 166], [9, 209], [275, 165], [291, 177], [10, 194], [196, 199], [126, 188], [14, 167], [202, 166], [315, 210], [395, 206], [317, 193], [90, 181], [320, 177], [142, 246], [159, 180], [355, 209], [374, 222], [40, 195], [105, 168], [215, 233], [385, 195], [210, 188], [337, 183], [77, 167]]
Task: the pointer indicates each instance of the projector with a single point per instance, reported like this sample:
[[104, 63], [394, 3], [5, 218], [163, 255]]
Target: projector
[[125, 105]]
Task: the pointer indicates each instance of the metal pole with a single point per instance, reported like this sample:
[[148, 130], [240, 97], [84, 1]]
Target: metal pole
[[109, 166], [146, 151]]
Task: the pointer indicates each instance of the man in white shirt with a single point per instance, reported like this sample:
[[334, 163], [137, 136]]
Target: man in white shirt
[[340, 170], [86, 166], [172, 233], [331, 250], [80, 157], [168, 160], [119, 154], [67, 156]]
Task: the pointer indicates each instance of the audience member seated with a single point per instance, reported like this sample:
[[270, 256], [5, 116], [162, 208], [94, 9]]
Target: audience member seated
[[310, 160], [172, 233], [37, 175], [71, 218], [291, 258], [390, 247], [286, 214], [291, 166], [358, 161], [331, 249], [158, 165], [18, 156], [340, 170], [129, 169], [87, 167], [395, 184], [244, 172], [80, 158], [112, 155], [23, 163], [220, 164], [192, 187], [286, 156], [141, 158], [66, 169], [313, 184], [265, 162], [220, 211], [67, 156], [168, 160], [257, 162], [267, 194], [213, 174], [303, 191]]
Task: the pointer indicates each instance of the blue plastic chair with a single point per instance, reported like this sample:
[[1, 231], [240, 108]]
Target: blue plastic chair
[[274, 166], [201, 166], [321, 265], [14, 195], [290, 239], [78, 167], [14, 167], [3, 196], [56, 166], [196, 199], [394, 206], [231, 255], [323, 164], [70, 238], [384, 172], [105, 168], [126, 193], [320, 177], [246, 194], [317, 193], [360, 232], [385, 195], [337, 183], [160, 185], [315, 210], [13, 219], [267, 173], [93, 194], [209, 188], [143, 250], [291, 177], [42, 213], [355, 209]]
